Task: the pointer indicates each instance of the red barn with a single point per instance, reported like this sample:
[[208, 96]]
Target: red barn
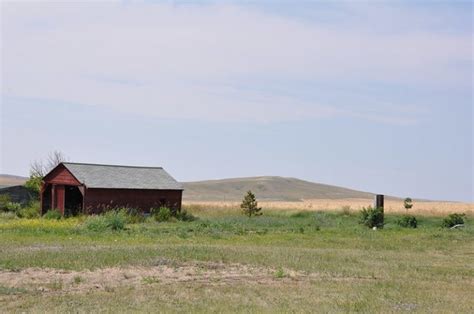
[[75, 188]]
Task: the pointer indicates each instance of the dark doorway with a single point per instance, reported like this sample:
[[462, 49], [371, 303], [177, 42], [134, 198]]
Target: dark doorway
[[46, 204], [73, 201]]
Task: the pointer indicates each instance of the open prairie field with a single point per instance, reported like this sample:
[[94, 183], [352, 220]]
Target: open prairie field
[[283, 261], [426, 208]]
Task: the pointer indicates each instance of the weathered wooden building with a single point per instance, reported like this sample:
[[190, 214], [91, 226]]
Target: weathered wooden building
[[18, 194], [75, 188]]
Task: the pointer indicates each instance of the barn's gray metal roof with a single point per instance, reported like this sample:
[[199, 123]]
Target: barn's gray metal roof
[[122, 177]]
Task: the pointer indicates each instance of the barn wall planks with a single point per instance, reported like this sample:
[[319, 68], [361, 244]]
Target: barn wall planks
[[98, 200]]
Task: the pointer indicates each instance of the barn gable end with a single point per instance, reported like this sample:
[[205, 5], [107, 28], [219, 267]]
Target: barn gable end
[[61, 175]]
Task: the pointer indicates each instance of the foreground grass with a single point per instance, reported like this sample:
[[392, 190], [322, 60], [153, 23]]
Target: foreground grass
[[348, 267]]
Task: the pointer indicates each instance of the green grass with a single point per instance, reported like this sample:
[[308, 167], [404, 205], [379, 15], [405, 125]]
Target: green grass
[[349, 267], [11, 290]]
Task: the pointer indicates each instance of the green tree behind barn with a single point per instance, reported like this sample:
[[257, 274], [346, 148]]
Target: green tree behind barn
[[39, 168]]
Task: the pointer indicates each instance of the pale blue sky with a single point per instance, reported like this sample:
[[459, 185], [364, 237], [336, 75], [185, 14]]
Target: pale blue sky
[[375, 96]]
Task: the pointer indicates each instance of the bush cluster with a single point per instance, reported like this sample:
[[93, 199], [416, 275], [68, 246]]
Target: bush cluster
[[165, 214], [8, 215], [183, 215], [12, 207], [117, 219], [408, 221], [453, 220], [114, 220], [30, 210], [161, 214], [372, 217], [4, 201], [53, 214], [132, 215], [96, 223]]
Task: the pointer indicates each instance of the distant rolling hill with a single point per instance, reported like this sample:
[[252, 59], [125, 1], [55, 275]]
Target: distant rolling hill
[[266, 189], [9, 180]]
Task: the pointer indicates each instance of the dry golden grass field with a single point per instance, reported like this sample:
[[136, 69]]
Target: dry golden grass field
[[428, 208]]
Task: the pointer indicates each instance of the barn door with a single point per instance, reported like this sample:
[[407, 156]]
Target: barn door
[[59, 198]]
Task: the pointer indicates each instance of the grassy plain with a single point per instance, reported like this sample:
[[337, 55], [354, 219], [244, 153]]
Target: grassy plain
[[284, 261]]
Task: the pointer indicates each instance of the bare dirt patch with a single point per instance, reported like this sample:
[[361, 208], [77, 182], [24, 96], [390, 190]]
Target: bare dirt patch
[[62, 281], [54, 281]]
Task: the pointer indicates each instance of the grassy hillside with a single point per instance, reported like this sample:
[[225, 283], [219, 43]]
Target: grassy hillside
[[266, 188], [9, 180]]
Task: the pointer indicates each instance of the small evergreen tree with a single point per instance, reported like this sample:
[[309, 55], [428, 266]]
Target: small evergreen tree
[[408, 203], [249, 205]]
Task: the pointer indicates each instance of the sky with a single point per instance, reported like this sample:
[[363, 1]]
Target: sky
[[375, 96]]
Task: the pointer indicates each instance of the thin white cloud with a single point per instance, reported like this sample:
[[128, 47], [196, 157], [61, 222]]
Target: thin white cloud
[[171, 61]]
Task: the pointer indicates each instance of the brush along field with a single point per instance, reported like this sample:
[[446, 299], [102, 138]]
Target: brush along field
[[426, 208], [283, 261]]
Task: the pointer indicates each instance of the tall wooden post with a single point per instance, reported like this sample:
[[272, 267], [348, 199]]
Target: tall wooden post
[[378, 201]]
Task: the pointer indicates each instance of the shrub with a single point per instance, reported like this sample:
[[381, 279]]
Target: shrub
[[8, 215], [96, 223], [346, 210], [115, 220], [183, 215], [32, 210], [453, 220], [53, 214], [280, 273], [302, 214], [161, 214], [132, 215], [408, 221], [111, 220], [12, 207], [4, 200], [166, 214], [372, 217]]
